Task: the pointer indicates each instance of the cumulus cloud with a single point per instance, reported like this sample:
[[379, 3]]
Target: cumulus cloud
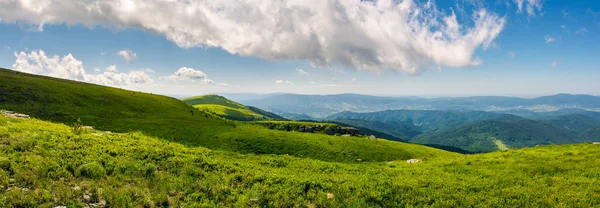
[[372, 35], [301, 72], [68, 67], [531, 6], [192, 75], [111, 68], [549, 39], [188, 74], [281, 82], [128, 55]]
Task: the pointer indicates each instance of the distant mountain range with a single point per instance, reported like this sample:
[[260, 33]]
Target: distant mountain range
[[321, 106], [477, 131]]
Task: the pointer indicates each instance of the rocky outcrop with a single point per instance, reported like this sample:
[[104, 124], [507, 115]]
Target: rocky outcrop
[[330, 129], [338, 130], [11, 114]]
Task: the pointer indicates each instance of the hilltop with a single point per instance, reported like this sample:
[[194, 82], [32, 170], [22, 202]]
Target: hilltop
[[223, 107]]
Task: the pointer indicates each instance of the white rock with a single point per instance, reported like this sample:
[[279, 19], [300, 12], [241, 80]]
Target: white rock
[[411, 161]]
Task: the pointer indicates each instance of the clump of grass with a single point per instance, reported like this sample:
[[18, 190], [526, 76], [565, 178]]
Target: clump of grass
[[91, 170]]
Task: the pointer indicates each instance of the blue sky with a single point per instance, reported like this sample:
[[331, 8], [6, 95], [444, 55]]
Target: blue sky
[[553, 49]]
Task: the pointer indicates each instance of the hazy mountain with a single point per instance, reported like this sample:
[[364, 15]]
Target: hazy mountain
[[325, 105], [423, 120]]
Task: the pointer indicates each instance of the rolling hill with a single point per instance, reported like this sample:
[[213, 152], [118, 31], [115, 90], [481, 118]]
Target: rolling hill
[[225, 108], [492, 135], [44, 164], [123, 111], [574, 122], [409, 123]]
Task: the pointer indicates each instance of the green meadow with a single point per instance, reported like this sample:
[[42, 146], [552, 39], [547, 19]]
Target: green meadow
[[46, 164], [149, 150]]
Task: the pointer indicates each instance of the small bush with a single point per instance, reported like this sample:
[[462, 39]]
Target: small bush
[[91, 170], [77, 127]]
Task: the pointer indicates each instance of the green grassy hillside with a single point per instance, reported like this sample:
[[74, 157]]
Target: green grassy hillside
[[229, 109], [45, 164], [573, 122], [492, 135], [117, 110]]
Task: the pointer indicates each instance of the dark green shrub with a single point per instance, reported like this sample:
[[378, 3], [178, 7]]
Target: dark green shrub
[[91, 170]]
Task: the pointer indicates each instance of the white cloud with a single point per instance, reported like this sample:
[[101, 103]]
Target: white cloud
[[7, 48], [511, 54], [68, 67], [111, 68], [582, 31], [530, 6], [192, 75], [554, 64], [312, 83], [128, 55], [354, 79], [207, 81], [188, 74], [37, 62], [280, 82], [549, 39], [334, 79], [563, 26], [222, 84], [371, 35], [301, 72]]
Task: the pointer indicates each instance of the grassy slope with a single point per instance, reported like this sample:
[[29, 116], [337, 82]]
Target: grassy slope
[[120, 110], [229, 109], [230, 113], [47, 162]]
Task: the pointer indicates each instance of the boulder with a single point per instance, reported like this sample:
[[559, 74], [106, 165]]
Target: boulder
[[372, 137], [346, 135], [596, 143]]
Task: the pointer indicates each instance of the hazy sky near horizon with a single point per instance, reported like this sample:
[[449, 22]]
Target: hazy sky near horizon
[[176, 47]]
